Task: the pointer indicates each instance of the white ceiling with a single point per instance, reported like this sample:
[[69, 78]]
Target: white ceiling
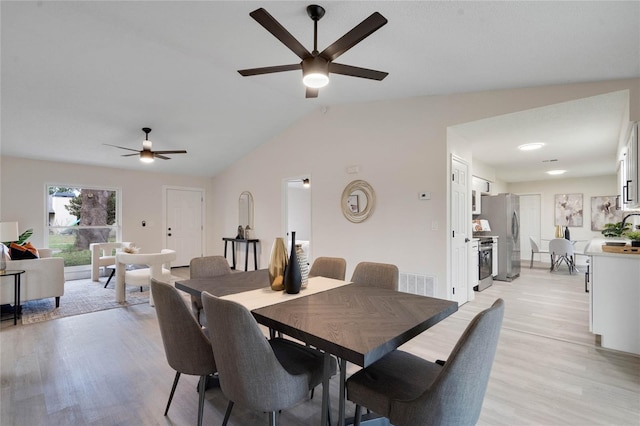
[[77, 75]]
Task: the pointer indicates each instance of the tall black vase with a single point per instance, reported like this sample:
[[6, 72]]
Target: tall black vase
[[292, 275]]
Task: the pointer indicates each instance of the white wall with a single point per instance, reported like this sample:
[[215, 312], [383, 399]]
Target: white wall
[[23, 188], [588, 187], [401, 149]]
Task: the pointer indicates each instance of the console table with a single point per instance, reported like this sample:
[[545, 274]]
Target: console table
[[16, 291], [246, 253]]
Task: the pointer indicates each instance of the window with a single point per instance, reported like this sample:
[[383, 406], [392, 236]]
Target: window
[[77, 217]]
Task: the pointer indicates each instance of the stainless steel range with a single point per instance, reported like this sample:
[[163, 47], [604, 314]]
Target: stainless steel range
[[485, 262]]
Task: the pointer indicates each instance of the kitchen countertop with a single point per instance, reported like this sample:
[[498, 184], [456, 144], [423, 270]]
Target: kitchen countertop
[[594, 248]]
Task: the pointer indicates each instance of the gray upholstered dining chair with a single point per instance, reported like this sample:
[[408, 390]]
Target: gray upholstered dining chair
[[376, 274], [204, 267], [259, 374], [535, 249], [186, 347], [329, 267], [409, 390]]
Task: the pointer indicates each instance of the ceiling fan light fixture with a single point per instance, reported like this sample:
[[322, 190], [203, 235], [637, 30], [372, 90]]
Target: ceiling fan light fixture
[[146, 156], [315, 72]]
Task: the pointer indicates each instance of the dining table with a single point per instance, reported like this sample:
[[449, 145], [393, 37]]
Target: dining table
[[354, 322]]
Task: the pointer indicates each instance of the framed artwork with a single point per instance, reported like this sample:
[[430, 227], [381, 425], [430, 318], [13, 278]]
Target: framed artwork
[[603, 210], [568, 210], [354, 203]]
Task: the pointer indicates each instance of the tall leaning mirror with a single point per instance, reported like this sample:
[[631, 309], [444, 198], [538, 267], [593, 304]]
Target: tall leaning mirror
[[245, 210]]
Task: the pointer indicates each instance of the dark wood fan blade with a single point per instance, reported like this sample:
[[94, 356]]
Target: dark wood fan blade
[[121, 147], [162, 157], [170, 152], [130, 155], [311, 93], [268, 70], [270, 24], [356, 71], [355, 36]]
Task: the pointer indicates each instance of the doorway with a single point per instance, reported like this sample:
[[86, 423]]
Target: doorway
[[184, 228], [297, 200]]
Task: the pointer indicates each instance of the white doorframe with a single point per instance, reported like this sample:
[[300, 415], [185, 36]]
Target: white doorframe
[[285, 216]]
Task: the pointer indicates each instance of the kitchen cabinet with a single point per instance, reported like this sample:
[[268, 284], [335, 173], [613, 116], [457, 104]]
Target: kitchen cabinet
[[614, 303], [479, 187], [629, 173]]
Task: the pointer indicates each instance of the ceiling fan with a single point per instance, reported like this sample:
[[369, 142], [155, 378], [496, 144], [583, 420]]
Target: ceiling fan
[[147, 155], [315, 65]]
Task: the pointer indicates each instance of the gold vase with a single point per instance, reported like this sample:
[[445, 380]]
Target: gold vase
[[277, 264], [559, 233]]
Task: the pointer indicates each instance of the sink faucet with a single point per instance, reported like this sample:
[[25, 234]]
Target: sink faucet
[[624, 219]]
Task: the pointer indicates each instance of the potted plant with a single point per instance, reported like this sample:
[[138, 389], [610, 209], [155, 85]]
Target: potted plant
[[634, 236], [615, 229]]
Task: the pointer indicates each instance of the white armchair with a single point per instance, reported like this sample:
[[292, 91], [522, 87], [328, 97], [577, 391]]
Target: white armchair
[[159, 269], [103, 254]]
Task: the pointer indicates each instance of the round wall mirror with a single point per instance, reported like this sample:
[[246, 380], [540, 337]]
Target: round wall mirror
[[358, 201], [245, 210]]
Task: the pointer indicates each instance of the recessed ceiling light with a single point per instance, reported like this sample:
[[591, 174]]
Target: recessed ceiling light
[[556, 172], [531, 146]]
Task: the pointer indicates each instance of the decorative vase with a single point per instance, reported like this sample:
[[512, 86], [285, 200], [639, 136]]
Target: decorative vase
[[292, 276], [559, 233], [304, 265], [277, 264], [567, 234]]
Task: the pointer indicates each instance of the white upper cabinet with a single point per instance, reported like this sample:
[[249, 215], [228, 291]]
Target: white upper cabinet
[[629, 173], [479, 187]]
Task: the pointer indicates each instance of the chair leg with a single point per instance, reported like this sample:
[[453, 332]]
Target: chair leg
[[357, 416], [272, 418], [227, 414], [173, 389], [201, 391], [531, 266]]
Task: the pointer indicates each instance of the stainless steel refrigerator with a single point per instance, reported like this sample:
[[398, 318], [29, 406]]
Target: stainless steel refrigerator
[[503, 213]]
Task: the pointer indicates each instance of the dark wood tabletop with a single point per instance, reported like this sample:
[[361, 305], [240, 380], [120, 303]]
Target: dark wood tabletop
[[223, 285], [356, 322]]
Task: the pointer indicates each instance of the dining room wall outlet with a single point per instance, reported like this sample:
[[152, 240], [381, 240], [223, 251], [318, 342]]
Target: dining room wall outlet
[[424, 196]]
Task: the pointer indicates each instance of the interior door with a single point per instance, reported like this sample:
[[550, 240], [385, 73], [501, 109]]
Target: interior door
[[460, 228], [184, 213], [529, 224]]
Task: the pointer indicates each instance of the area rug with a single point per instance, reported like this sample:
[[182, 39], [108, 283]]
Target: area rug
[[81, 297]]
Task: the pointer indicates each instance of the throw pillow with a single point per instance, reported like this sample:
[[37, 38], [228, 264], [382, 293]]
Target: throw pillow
[[25, 251]]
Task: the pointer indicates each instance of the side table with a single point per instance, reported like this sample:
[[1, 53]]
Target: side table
[[246, 253], [16, 291]]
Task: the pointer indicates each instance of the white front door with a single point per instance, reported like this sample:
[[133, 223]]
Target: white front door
[[460, 228], [184, 224]]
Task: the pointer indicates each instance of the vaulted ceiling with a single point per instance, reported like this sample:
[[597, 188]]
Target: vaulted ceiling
[[78, 75]]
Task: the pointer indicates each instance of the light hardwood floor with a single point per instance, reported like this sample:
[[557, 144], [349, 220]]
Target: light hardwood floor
[[108, 368]]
